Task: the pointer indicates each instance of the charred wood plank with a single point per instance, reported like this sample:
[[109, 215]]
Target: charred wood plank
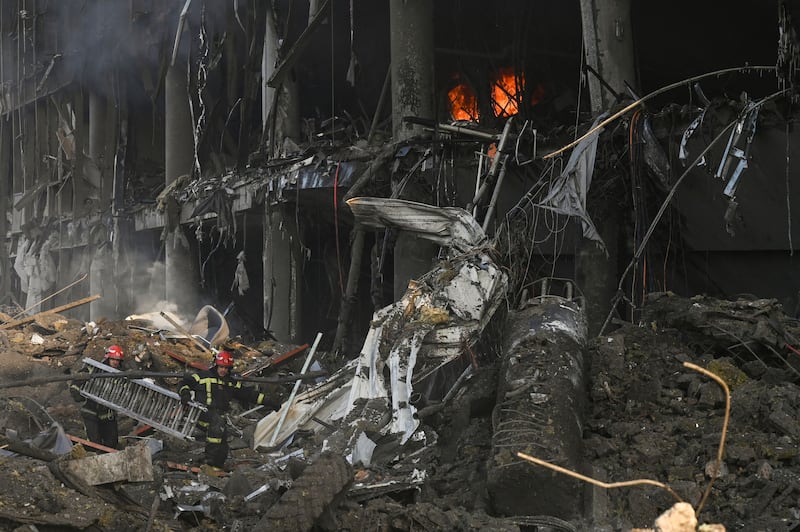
[[68, 306]]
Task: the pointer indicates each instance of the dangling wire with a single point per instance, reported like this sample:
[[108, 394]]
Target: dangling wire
[[202, 76], [581, 81], [788, 195], [336, 227]]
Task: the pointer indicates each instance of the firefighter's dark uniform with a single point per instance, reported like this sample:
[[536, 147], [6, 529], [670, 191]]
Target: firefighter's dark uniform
[[100, 421], [215, 393]]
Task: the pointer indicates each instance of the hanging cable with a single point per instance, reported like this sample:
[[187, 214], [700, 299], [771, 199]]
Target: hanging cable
[[581, 81], [336, 226], [788, 195]]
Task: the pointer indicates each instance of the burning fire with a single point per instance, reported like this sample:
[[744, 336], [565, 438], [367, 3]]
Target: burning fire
[[506, 93], [463, 103]]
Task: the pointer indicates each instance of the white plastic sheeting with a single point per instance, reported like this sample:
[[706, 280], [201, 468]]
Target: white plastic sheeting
[[36, 269], [423, 331]]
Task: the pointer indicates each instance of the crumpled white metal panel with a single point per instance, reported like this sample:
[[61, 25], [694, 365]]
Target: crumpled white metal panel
[[450, 304]]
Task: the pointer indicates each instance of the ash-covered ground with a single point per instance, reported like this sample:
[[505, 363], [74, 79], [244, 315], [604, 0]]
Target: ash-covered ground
[[648, 417]]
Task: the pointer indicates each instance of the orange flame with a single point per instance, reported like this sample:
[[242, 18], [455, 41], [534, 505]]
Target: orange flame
[[463, 102], [506, 92], [505, 100]]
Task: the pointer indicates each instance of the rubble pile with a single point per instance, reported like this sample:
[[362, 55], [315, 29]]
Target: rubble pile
[[647, 417], [652, 418]]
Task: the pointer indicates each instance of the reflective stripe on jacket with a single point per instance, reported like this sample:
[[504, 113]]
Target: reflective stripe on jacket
[[217, 392]]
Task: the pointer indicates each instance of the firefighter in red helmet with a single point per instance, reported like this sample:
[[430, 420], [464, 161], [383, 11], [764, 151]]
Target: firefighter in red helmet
[[100, 421], [215, 388]]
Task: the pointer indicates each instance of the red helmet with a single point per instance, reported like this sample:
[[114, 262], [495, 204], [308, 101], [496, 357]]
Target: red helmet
[[223, 359], [115, 352]]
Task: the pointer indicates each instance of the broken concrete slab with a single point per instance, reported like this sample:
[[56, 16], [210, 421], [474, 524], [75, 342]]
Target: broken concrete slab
[[133, 464]]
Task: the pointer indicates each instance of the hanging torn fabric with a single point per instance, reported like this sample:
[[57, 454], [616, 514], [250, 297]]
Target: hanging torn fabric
[[568, 192], [219, 202], [240, 279]]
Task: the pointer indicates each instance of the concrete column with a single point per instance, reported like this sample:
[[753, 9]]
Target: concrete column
[[101, 274], [608, 41], [269, 59], [296, 289], [413, 257], [411, 30], [282, 277], [5, 194], [313, 7], [287, 120], [280, 106], [181, 276]]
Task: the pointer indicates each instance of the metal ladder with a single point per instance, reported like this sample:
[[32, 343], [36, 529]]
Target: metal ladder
[[143, 401]]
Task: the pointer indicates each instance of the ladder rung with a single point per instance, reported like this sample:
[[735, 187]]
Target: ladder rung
[[144, 401]]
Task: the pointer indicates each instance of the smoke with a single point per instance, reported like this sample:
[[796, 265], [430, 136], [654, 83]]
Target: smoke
[[147, 295], [135, 39]]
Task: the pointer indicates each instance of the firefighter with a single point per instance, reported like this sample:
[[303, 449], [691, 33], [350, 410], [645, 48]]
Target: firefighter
[[100, 421], [215, 388]]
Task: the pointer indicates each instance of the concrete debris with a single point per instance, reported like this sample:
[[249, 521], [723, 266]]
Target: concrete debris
[[334, 467], [132, 464]]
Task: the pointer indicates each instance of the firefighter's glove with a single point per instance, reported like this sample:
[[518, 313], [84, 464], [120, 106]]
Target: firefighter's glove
[[75, 392], [267, 402], [186, 395]]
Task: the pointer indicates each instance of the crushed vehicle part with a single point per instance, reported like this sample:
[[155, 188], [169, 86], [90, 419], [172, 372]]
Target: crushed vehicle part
[[209, 505], [540, 404]]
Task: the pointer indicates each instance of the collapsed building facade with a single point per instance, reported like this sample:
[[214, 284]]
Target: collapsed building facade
[[202, 154], [350, 168]]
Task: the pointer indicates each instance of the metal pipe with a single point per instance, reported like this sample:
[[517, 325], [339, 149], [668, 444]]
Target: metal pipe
[[501, 146], [288, 404], [495, 195]]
